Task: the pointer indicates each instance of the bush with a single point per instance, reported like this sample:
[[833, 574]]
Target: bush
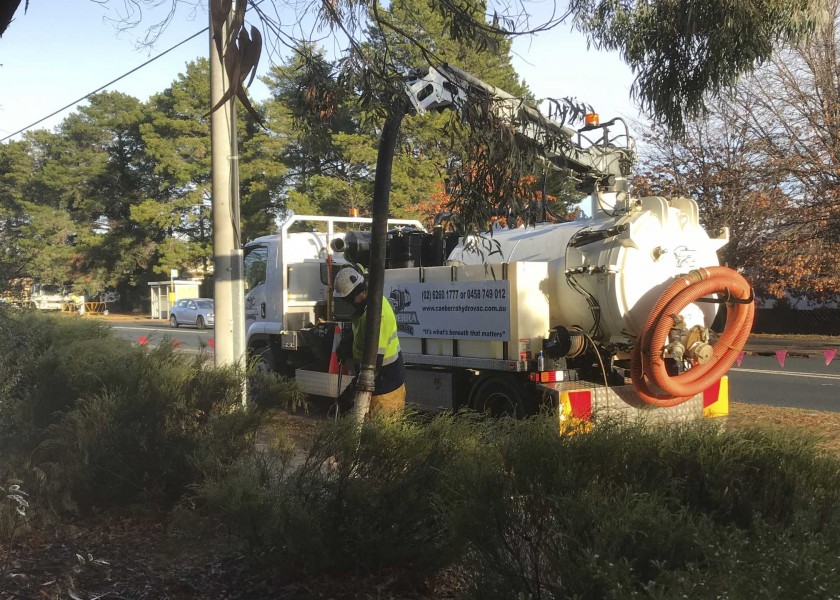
[[46, 363], [626, 512], [106, 423], [372, 499], [521, 512]]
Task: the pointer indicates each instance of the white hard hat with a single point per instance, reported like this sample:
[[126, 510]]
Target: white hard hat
[[347, 280]]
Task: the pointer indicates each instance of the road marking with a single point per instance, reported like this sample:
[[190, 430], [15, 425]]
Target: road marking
[[791, 373]]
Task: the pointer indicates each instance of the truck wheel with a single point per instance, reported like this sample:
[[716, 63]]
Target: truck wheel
[[500, 396], [173, 322], [264, 359]]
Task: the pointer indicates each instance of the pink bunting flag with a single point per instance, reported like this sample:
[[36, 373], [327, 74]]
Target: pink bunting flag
[[176, 343], [829, 355], [143, 340], [212, 342], [780, 356], [740, 358]]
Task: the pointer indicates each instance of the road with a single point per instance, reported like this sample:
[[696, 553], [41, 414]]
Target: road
[[190, 338], [802, 383]]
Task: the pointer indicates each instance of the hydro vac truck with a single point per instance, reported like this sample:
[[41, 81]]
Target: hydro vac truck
[[609, 314]]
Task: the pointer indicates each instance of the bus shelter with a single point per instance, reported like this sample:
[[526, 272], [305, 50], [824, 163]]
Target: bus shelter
[[165, 294]]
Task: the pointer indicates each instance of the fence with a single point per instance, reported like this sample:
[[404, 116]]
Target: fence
[[820, 321]]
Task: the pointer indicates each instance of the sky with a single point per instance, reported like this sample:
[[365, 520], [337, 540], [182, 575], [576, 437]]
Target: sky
[[60, 50]]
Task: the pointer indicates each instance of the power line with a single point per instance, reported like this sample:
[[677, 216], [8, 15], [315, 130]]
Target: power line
[[99, 89]]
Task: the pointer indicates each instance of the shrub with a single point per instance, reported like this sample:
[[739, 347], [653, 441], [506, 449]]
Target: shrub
[[371, 498], [106, 423], [522, 512], [625, 512], [142, 439], [46, 363]]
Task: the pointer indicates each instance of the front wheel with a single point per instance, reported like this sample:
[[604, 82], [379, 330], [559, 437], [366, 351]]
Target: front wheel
[[173, 322], [264, 360], [199, 322]]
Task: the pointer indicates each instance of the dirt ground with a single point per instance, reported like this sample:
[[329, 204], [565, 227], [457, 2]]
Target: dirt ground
[[143, 555], [825, 426]]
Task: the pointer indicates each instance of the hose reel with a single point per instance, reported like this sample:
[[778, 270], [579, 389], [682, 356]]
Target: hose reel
[[648, 366]]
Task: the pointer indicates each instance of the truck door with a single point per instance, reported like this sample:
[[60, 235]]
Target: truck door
[[256, 262]]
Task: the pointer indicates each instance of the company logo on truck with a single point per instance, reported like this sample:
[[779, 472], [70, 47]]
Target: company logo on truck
[[400, 299], [686, 257]]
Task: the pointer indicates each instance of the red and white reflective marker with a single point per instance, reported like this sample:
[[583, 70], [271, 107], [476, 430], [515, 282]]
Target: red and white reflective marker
[[740, 358], [212, 343], [143, 340], [829, 355], [780, 356]]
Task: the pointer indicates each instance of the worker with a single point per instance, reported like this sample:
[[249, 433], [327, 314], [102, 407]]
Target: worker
[[389, 383]]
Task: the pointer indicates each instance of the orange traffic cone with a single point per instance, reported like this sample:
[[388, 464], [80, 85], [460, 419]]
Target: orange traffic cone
[[333, 368]]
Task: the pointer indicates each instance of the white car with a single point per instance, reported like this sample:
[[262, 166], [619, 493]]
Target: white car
[[192, 311]]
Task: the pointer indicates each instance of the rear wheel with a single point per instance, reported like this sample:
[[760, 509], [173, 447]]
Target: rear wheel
[[199, 322], [173, 321], [501, 396]]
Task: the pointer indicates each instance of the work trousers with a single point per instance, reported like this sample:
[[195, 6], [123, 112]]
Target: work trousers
[[388, 404]]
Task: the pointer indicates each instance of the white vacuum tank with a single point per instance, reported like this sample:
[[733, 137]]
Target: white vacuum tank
[[607, 272]]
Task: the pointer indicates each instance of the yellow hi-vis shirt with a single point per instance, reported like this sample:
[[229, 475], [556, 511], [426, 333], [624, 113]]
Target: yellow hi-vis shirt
[[392, 373]]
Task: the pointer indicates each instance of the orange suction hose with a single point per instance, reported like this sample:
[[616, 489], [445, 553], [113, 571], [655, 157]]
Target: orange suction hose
[[647, 363]]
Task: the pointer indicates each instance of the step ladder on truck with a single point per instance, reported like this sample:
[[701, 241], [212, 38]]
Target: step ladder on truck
[[610, 314]]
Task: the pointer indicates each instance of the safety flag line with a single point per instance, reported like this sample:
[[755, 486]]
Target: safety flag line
[[782, 354], [791, 373]]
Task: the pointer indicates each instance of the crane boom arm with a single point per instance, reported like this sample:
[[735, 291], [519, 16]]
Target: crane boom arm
[[447, 87]]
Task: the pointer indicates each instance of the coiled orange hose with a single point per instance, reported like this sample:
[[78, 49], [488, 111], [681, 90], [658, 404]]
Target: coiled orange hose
[[647, 363]]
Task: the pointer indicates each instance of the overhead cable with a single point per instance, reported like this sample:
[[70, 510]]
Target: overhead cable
[[99, 89]]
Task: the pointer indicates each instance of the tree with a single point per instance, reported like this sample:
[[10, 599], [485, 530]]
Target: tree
[[717, 164], [176, 210], [323, 128], [177, 143], [794, 120], [7, 12], [333, 151], [765, 162], [16, 170], [112, 248]]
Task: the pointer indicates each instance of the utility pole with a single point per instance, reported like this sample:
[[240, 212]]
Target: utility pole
[[229, 288]]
